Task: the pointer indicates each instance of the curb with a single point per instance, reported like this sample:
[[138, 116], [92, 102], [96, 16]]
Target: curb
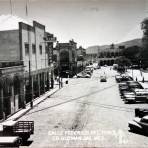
[[27, 110]]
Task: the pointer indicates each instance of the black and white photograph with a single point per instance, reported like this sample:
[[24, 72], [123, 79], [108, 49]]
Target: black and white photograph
[[73, 73]]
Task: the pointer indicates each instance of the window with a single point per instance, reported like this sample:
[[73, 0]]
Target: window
[[33, 49], [55, 57], [47, 50], [40, 47], [26, 48]]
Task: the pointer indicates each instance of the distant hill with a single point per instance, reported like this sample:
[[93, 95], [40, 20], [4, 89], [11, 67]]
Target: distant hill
[[134, 42]]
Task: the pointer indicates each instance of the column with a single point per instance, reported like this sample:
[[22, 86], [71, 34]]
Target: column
[[39, 85], [22, 94], [12, 100], [48, 86], [32, 89], [44, 82], [1, 103]]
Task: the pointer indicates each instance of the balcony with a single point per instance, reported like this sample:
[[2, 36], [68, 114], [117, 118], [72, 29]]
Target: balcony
[[4, 64]]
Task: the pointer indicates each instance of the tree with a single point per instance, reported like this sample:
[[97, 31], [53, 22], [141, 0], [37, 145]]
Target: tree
[[123, 61], [132, 53]]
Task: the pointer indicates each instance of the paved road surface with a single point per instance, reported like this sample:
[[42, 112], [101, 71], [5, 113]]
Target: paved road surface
[[85, 113]]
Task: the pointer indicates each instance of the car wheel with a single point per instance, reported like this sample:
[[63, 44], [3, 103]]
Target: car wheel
[[132, 129]]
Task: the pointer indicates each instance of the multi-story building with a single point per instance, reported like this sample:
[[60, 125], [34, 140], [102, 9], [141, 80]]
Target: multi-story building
[[11, 86], [109, 55], [81, 58], [92, 54], [30, 46], [67, 58]]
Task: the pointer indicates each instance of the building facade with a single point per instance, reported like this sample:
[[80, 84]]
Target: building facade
[[11, 87], [81, 59], [92, 54], [67, 58], [109, 55], [32, 47]]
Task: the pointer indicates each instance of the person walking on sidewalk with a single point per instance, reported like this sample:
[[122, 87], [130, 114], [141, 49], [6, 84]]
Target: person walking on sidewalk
[[143, 80]]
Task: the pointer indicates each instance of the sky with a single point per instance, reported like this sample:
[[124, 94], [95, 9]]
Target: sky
[[88, 22]]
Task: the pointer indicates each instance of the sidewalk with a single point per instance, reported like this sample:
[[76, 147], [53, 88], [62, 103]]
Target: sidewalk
[[137, 74], [36, 101]]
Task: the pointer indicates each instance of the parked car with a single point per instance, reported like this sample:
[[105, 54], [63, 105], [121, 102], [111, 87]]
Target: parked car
[[103, 79], [122, 84], [123, 78], [134, 85], [123, 89], [141, 112], [140, 92], [83, 75], [129, 97], [90, 68], [139, 124], [88, 72], [134, 97], [137, 95], [118, 78]]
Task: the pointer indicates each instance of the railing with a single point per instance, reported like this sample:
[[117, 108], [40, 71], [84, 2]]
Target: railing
[[24, 127]]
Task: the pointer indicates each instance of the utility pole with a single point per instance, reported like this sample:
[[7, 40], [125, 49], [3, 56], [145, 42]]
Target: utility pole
[[30, 77], [30, 86], [11, 6], [59, 68]]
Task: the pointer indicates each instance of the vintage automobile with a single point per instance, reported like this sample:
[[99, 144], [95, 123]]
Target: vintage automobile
[[123, 78], [141, 95], [141, 112], [129, 86], [10, 141], [88, 72], [134, 85], [140, 92], [89, 68], [129, 97], [83, 75], [137, 95], [122, 84], [118, 78], [139, 124], [124, 89], [103, 78], [134, 97], [22, 129]]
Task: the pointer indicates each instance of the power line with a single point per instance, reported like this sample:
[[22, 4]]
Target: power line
[[11, 6], [27, 1]]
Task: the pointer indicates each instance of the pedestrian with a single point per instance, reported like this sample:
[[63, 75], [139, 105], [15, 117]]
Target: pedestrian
[[136, 78], [52, 83], [143, 80], [61, 82]]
